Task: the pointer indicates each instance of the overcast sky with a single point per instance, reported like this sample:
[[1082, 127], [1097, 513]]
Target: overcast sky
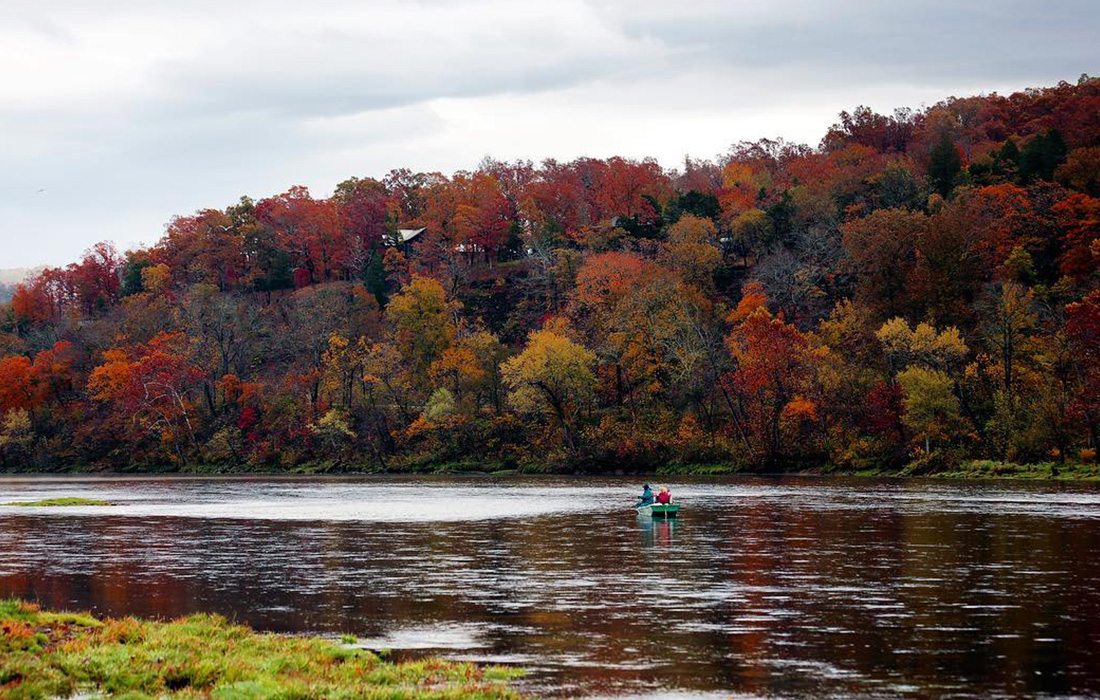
[[117, 114]]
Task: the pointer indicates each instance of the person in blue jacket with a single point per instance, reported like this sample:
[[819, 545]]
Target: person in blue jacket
[[647, 496]]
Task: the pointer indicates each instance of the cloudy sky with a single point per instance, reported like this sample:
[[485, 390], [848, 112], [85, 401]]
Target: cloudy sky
[[117, 114]]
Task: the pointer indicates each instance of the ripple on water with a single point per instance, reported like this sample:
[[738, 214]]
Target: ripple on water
[[766, 587]]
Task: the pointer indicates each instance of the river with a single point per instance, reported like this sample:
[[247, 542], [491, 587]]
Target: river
[[792, 587]]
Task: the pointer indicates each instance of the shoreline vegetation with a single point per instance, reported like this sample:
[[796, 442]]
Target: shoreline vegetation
[[964, 469], [59, 654]]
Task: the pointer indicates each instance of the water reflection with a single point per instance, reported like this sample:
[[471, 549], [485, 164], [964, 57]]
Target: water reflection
[[763, 587], [656, 532]]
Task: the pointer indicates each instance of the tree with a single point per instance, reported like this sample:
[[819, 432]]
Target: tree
[[695, 202], [751, 233], [947, 273], [896, 187], [1081, 171], [628, 189], [468, 215], [143, 315], [553, 374], [944, 164], [311, 231], [15, 384], [205, 248], [882, 248], [866, 127], [16, 436], [225, 330], [53, 373], [366, 211], [1009, 318], [150, 392], [333, 427], [773, 378], [640, 319], [1079, 218], [470, 370], [958, 243], [421, 317], [1042, 155], [268, 265], [96, 280], [30, 305], [441, 403], [740, 187], [1083, 331], [931, 407], [922, 345], [691, 250], [312, 316]]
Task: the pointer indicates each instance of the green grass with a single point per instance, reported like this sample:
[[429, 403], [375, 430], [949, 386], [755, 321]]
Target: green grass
[[995, 469], [50, 655], [67, 501], [712, 469], [992, 469]]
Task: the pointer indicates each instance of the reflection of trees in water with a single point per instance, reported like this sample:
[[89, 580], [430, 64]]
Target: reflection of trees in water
[[721, 600]]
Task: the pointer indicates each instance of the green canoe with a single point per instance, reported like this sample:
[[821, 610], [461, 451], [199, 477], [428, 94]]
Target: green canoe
[[659, 511]]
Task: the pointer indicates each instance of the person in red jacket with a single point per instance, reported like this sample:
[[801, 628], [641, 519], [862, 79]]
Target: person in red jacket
[[664, 496]]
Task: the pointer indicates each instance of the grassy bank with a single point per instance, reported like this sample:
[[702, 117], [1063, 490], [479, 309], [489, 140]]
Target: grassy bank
[[49, 654], [990, 469], [993, 469]]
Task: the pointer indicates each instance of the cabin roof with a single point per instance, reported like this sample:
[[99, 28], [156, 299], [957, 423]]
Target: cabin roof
[[406, 234]]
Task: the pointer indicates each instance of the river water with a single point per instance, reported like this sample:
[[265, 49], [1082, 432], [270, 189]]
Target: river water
[[801, 587]]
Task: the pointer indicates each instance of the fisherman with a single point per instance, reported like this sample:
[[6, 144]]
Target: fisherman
[[664, 496], [647, 496]]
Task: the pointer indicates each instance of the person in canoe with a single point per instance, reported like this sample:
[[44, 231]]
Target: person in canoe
[[664, 496], [647, 496]]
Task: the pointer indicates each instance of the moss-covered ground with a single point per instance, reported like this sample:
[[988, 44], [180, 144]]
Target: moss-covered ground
[[62, 655]]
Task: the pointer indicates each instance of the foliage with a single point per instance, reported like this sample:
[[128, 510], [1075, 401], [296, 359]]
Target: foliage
[[906, 345], [931, 407], [920, 286], [552, 374]]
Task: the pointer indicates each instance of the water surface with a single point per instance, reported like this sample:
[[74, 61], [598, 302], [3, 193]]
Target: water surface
[[785, 587]]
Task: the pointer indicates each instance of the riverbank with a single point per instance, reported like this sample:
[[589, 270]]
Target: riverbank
[[990, 469], [966, 469], [59, 654]]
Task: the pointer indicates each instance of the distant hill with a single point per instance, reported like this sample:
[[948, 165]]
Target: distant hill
[[14, 275]]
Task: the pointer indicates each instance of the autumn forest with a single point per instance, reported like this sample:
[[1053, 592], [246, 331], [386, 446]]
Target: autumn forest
[[919, 289]]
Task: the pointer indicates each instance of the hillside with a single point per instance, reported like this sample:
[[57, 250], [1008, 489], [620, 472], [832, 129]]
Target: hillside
[[918, 288]]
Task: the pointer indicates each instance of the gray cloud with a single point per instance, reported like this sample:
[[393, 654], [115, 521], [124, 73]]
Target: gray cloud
[[853, 40], [129, 111]]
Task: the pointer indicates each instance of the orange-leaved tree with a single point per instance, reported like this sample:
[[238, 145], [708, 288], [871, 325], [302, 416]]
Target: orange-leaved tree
[[150, 391], [773, 383]]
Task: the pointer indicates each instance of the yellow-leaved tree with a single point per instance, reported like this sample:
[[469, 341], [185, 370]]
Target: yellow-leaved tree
[[552, 375]]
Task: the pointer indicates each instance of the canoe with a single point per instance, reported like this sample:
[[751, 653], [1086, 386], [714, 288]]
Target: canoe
[[659, 511]]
